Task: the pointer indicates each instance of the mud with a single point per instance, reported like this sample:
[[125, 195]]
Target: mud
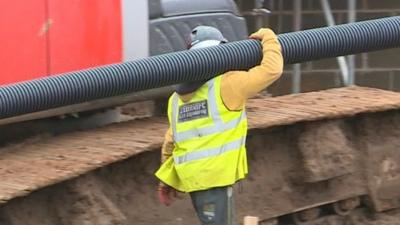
[[291, 168], [305, 151], [361, 216]]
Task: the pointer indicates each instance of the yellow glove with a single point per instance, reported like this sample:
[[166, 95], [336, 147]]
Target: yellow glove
[[264, 35]]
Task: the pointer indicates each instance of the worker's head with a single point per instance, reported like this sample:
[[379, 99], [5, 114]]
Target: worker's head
[[200, 37], [205, 36]]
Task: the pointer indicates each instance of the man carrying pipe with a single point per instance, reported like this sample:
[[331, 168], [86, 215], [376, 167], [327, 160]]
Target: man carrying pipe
[[204, 150]]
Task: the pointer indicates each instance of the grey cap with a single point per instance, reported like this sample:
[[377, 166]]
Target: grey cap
[[205, 33]]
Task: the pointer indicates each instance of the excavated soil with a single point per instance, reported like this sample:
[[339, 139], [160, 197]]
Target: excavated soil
[[306, 150], [361, 217], [286, 172]]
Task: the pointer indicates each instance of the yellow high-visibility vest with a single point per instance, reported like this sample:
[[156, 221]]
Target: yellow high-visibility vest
[[209, 141]]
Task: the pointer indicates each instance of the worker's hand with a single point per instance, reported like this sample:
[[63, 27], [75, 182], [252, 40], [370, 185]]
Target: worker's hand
[[264, 35], [166, 194]]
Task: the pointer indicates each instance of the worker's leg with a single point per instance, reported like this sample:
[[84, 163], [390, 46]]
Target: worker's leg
[[214, 206]]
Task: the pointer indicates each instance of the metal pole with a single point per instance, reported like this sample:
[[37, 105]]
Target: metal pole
[[258, 4], [271, 4], [331, 22], [280, 16], [352, 7], [296, 80]]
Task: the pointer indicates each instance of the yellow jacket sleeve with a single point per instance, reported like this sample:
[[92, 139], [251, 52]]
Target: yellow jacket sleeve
[[238, 86], [168, 146]]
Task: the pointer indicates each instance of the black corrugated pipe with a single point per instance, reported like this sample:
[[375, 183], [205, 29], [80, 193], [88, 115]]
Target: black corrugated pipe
[[118, 79]]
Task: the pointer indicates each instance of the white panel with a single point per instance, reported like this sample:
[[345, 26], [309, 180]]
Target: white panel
[[135, 29]]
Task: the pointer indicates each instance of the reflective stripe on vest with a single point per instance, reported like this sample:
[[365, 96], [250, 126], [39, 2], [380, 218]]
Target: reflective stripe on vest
[[218, 126], [202, 154]]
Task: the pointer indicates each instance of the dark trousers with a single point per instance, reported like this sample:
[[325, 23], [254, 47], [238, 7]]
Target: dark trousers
[[214, 206]]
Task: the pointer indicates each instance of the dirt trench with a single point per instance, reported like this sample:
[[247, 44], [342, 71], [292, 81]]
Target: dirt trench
[[286, 173]]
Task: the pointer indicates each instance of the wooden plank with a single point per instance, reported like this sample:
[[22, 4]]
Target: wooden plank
[[250, 220]]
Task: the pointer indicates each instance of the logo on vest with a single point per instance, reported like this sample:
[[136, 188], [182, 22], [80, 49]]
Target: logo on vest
[[193, 111]]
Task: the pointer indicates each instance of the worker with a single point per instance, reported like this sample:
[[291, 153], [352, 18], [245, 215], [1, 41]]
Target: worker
[[204, 150]]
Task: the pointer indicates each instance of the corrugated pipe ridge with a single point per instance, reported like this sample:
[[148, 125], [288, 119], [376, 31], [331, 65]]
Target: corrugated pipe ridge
[[117, 79], [341, 40]]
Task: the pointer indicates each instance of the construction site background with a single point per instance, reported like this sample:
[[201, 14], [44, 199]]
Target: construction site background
[[315, 158], [377, 69]]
